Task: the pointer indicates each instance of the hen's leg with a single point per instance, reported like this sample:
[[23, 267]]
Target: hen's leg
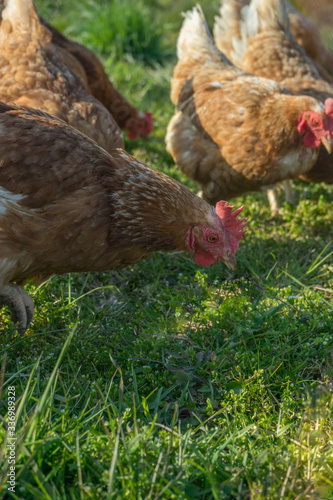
[[289, 193], [20, 305], [273, 201]]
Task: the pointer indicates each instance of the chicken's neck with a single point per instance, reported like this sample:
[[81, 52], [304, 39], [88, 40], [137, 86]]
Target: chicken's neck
[[286, 109], [155, 212]]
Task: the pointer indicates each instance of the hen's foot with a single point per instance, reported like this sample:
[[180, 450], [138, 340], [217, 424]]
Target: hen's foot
[[20, 304]]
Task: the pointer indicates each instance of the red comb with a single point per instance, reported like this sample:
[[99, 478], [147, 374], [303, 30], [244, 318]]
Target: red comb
[[233, 226], [149, 122], [142, 126]]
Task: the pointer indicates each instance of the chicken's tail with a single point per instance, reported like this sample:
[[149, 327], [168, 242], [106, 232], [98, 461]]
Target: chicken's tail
[[265, 15], [240, 20], [21, 15], [227, 30], [195, 41]]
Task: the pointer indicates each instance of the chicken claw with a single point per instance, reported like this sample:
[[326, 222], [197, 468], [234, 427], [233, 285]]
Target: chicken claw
[[20, 304]]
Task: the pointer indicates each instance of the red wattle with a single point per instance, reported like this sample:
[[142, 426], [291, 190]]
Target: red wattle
[[203, 258], [311, 141]]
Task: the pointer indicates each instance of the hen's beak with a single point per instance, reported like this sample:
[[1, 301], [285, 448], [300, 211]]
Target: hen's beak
[[229, 260], [327, 143]]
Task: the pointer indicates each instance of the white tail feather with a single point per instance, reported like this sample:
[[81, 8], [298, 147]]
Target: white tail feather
[[265, 15], [195, 40], [227, 24], [229, 29], [240, 20]]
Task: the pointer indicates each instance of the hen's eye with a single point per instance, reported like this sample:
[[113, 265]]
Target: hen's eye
[[212, 238], [315, 123]]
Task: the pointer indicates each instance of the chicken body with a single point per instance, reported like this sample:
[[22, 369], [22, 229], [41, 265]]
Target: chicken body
[[267, 48], [66, 205], [35, 72], [232, 132]]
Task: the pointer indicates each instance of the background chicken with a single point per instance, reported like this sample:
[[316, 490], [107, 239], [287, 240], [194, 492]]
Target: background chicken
[[35, 72], [81, 63], [77, 208], [307, 35], [86, 63], [265, 23], [234, 132]]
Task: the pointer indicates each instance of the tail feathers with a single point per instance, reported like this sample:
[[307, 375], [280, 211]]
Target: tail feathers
[[240, 20], [195, 40], [265, 15], [21, 15], [228, 30], [227, 25]]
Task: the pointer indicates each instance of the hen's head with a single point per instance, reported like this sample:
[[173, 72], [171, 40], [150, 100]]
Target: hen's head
[[318, 129], [221, 241], [140, 126]]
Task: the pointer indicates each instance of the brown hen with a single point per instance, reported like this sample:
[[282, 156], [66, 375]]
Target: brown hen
[[234, 132], [66, 205]]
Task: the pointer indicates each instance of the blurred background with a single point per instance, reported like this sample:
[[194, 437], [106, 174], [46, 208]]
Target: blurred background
[[146, 30]]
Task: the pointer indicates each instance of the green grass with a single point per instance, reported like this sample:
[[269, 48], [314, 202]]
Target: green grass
[[165, 380]]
